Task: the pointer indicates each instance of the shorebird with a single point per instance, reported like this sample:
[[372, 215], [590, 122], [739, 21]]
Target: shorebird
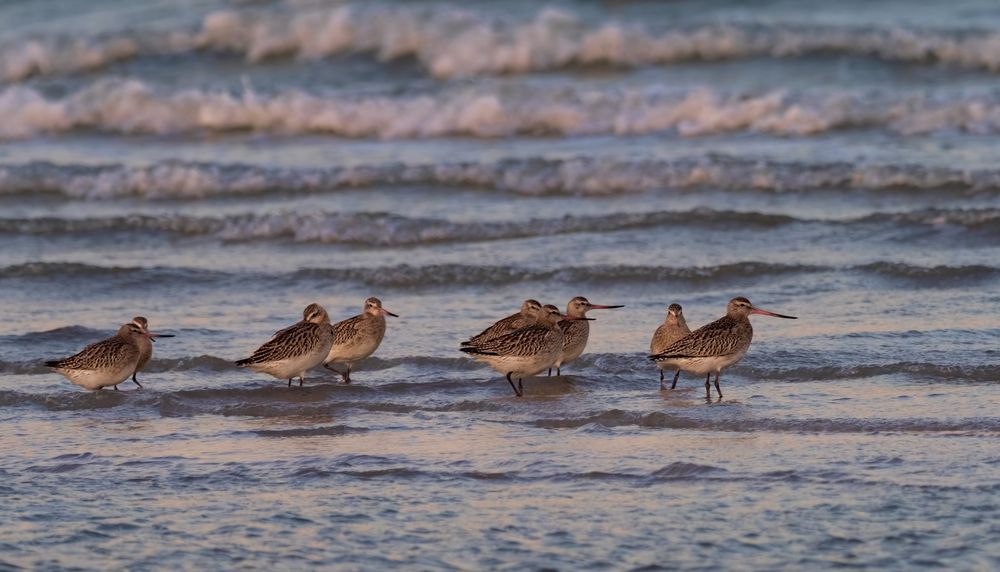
[[673, 328], [296, 349], [145, 345], [576, 331], [107, 362], [526, 317], [525, 351], [715, 346], [356, 338]]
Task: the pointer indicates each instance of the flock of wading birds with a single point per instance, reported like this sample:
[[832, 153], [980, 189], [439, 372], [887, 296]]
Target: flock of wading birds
[[521, 345]]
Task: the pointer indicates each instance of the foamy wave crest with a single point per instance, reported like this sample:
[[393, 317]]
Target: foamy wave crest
[[133, 107], [573, 176], [451, 42]]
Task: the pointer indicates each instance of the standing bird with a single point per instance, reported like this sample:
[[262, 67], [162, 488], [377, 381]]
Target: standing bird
[[107, 362], [145, 345], [715, 346], [576, 331], [526, 317], [356, 338], [525, 351], [673, 328], [296, 349]]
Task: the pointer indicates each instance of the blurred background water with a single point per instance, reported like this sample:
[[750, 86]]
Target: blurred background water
[[217, 165]]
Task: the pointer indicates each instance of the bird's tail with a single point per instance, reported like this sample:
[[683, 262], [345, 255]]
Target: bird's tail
[[54, 363], [244, 362], [477, 351]]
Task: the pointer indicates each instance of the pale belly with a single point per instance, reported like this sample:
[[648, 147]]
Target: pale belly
[[97, 378], [350, 353], [571, 351], [292, 367], [522, 366], [701, 365]]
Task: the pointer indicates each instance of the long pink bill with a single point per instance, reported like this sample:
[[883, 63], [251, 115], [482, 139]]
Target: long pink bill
[[772, 314], [599, 307], [568, 317]]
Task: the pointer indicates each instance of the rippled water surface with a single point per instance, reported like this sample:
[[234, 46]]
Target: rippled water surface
[[217, 165]]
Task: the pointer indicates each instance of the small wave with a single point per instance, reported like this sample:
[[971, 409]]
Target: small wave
[[327, 431], [462, 275], [132, 107], [574, 176], [662, 420], [387, 229], [450, 42]]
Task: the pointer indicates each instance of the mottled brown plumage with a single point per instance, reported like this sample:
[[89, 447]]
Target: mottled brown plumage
[[526, 317], [714, 346], [296, 349], [576, 332], [673, 328], [107, 362], [357, 337]]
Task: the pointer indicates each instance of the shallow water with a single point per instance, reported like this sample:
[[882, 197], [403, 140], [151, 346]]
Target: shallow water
[[218, 167]]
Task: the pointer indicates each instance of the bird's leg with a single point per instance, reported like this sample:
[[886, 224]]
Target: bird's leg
[[520, 388], [558, 371], [333, 369], [289, 382], [662, 387], [512, 386], [136, 381], [708, 386], [347, 374], [302, 379], [717, 390], [116, 388], [676, 376]]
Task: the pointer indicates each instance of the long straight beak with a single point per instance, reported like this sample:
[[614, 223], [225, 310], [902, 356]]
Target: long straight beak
[[599, 307], [388, 313], [153, 335], [568, 317], [772, 314]]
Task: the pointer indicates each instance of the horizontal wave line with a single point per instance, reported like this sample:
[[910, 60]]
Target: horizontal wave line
[[459, 275], [387, 229], [456, 42], [573, 176]]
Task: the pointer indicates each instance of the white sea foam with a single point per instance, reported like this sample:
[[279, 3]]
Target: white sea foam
[[574, 176], [135, 107], [450, 42]]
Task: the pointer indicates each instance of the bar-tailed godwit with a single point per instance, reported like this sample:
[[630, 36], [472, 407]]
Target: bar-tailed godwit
[[145, 345], [576, 332], [356, 338], [714, 346], [296, 349], [526, 317], [107, 362], [673, 328], [525, 351]]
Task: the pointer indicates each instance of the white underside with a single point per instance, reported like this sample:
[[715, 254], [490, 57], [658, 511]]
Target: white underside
[[350, 353], [293, 367], [521, 366], [97, 378], [701, 365]]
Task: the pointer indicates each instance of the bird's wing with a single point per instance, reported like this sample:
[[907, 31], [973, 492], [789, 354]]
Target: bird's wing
[[344, 331], [524, 341], [499, 328], [286, 344], [720, 337], [97, 355]]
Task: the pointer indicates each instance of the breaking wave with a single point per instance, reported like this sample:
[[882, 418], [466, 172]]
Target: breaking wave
[[130, 106], [574, 176], [449, 42]]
